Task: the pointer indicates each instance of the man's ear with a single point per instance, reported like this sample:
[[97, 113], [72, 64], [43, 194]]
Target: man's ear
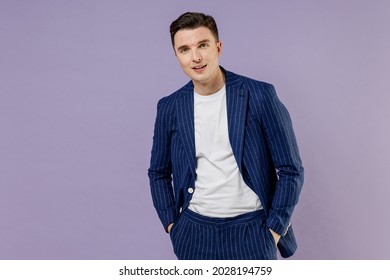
[[219, 47]]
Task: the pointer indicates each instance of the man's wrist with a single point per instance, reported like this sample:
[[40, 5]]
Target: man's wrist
[[169, 227], [275, 235]]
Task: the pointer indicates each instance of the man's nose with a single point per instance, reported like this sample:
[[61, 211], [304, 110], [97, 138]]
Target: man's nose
[[196, 56]]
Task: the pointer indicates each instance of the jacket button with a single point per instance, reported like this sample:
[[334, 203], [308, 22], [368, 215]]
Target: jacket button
[[190, 190]]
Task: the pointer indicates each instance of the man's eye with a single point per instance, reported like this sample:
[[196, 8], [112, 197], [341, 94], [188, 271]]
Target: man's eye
[[183, 51], [204, 45]]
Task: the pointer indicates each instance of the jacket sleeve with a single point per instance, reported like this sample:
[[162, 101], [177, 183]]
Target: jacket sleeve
[[285, 156], [160, 170]]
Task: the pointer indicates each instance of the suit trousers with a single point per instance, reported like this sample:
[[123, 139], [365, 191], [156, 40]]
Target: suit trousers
[[244, 237]]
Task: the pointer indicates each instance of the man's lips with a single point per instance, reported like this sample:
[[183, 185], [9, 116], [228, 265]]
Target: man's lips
[[199, 68]]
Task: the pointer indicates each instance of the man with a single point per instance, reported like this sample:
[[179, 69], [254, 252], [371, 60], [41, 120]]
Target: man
[[225, 172]]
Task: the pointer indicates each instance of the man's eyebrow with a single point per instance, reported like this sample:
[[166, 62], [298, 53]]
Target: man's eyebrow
[[204, 41], [182, 47], [200, 42]]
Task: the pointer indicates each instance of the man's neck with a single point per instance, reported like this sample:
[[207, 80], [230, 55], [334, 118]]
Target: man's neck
[[211, 87]]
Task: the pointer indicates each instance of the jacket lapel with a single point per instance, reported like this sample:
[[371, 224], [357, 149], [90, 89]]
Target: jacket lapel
[[236, 103], [185, 119]]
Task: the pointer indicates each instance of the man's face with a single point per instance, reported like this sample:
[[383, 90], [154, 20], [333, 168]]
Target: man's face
[[198, 53]]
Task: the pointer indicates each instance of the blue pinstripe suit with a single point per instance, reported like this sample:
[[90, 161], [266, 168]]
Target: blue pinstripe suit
[[262, 140]]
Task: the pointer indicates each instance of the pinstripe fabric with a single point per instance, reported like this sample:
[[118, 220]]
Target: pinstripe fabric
[[196, 237], [262, 140]]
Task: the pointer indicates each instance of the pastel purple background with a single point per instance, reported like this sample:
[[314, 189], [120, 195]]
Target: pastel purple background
[[79, 83]]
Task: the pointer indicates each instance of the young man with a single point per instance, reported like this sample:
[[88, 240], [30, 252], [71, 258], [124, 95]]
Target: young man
[[225, 172]]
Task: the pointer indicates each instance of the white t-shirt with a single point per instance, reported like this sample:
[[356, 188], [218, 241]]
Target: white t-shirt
[[220, 190]]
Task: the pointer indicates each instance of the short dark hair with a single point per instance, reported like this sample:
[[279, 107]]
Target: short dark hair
[[192, 20]]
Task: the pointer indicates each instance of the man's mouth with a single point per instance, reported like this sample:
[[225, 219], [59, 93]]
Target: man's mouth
[[200, 67]]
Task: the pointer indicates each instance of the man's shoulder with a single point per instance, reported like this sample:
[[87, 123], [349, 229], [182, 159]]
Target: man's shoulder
[[251, 84], [174, 96], [259, 92]]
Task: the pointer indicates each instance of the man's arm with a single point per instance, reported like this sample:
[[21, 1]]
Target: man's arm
[[285, 155], [160, 171]]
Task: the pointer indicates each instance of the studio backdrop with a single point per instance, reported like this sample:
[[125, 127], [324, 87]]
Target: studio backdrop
[[79, 85]]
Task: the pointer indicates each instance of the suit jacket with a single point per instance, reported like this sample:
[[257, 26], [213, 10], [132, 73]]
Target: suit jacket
[[263, 144]]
